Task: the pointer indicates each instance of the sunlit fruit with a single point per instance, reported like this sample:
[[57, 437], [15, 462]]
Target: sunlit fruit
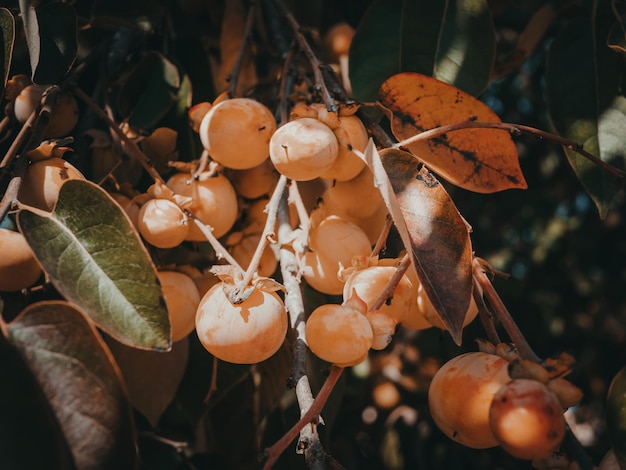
[[334, 242], [460, 394], [236, 132], [19, 268], [245, 333], [64, 115], [42, 182], [182, 299], [356, 198], [303, 149], [527, 419], [214, 202], [351, 134], [340, 334], [369, 284], [162, 223], [430, 313]]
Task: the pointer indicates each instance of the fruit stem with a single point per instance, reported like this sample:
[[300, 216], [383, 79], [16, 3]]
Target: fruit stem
[[268, 232], [303, 216], [220, 251], [273, 453], [316, 64], [131, 147], [515, 129], [233, 76], [393, 282], [285, 83], [381, 242], [501, 312], [486, 317]]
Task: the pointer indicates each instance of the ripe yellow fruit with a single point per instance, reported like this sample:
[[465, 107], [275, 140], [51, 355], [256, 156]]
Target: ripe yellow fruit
[[244, 250], [340, 334], [460, 395], [236, 132], [162, 223], [182, 299], [335, 241], [245, 333], [19, 268], [255, 182], [357, 198], [527, 419], [42, 182], [303, 149], [370, 282], [351, 134], [214, 203]]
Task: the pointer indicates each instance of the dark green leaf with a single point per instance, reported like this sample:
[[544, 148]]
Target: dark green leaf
[[76, 372], [7, 27], [149, 92], [51, 37], [139, 14], [30, 435], [95, 258], [616, 416], [453, 41], [586, 105]]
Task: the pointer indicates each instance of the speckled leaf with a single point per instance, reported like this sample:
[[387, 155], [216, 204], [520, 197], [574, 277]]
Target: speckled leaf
[[480, 160], [151, 377], [30, 435], [616, 416], [78, 375], [7, 28], [95, 258], [51, 38], [581, 66], [431, 229]]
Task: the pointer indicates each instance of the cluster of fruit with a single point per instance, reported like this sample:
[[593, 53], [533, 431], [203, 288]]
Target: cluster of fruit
[[485, 399]]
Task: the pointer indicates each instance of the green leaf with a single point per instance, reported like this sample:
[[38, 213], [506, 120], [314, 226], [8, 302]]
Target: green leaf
[[7, 27], [30, 435], [453, 41], [51, 38], [616, 416], [586, 105], [95, 259], [144, 15], [149, 92], [76, 372]]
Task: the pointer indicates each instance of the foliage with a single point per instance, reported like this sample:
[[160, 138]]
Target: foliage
[[459, 98]]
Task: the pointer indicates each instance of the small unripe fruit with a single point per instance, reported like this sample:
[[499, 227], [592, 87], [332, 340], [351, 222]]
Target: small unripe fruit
[[303, 149], [236, 132], [383, 327], [19, 268], [460, 395], [182, 299], [245, 333], [527, 419]]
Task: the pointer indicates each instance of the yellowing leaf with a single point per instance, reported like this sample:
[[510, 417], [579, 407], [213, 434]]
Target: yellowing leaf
[[480, 160]]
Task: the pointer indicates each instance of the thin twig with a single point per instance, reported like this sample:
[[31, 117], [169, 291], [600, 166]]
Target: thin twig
[[220, 251], [283, 100], [131, 146], [316, 64], [381, 241], [233, 77], [268, 232], [273, 453], [393, 282]]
